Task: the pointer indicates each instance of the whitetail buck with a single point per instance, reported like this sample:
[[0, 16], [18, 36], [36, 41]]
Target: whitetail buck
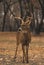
[[24, 37]]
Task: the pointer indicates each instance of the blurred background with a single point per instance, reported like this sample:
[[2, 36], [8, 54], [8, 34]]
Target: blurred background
[[9, 9], [21, 8]]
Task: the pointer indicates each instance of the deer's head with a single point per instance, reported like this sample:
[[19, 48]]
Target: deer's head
[[25, 25]]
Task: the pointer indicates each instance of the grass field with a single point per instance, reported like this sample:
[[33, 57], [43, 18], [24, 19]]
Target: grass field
[[8, 46]]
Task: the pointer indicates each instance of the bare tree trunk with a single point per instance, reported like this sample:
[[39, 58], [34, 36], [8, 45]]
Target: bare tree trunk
[[6, 7], [33, 20], [4, 18], [42, 7], [28, 2], [1, 0], [21, 8]]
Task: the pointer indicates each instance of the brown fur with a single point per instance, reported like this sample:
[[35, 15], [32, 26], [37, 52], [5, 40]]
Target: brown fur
[[23, 37]]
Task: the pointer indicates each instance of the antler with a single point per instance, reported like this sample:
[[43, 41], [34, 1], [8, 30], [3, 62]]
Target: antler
[[26, 22], [29, 20]]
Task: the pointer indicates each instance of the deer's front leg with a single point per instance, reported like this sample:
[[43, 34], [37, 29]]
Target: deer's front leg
[[27, 53], [23, 49], [16, 52], [17, 44]]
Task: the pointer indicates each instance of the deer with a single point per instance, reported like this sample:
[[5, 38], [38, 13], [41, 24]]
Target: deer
[[23, 37]]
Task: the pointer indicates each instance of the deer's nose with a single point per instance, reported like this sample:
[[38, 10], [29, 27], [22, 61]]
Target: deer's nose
[[20, 29]]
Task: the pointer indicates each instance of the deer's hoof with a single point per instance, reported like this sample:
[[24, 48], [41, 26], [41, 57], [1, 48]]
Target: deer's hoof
[[27, 61], [13, 59], [23, 62]]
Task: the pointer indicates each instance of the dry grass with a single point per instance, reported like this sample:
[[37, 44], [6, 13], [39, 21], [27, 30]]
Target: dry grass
[[8, 46]]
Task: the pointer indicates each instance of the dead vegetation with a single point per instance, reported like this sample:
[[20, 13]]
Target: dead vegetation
[[8, 46]]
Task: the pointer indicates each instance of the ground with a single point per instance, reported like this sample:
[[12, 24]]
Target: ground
[[8, 46]]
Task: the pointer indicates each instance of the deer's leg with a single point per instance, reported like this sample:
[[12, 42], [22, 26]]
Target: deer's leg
[[17, 44], [23, 49], [27, 53], [16, 52]]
